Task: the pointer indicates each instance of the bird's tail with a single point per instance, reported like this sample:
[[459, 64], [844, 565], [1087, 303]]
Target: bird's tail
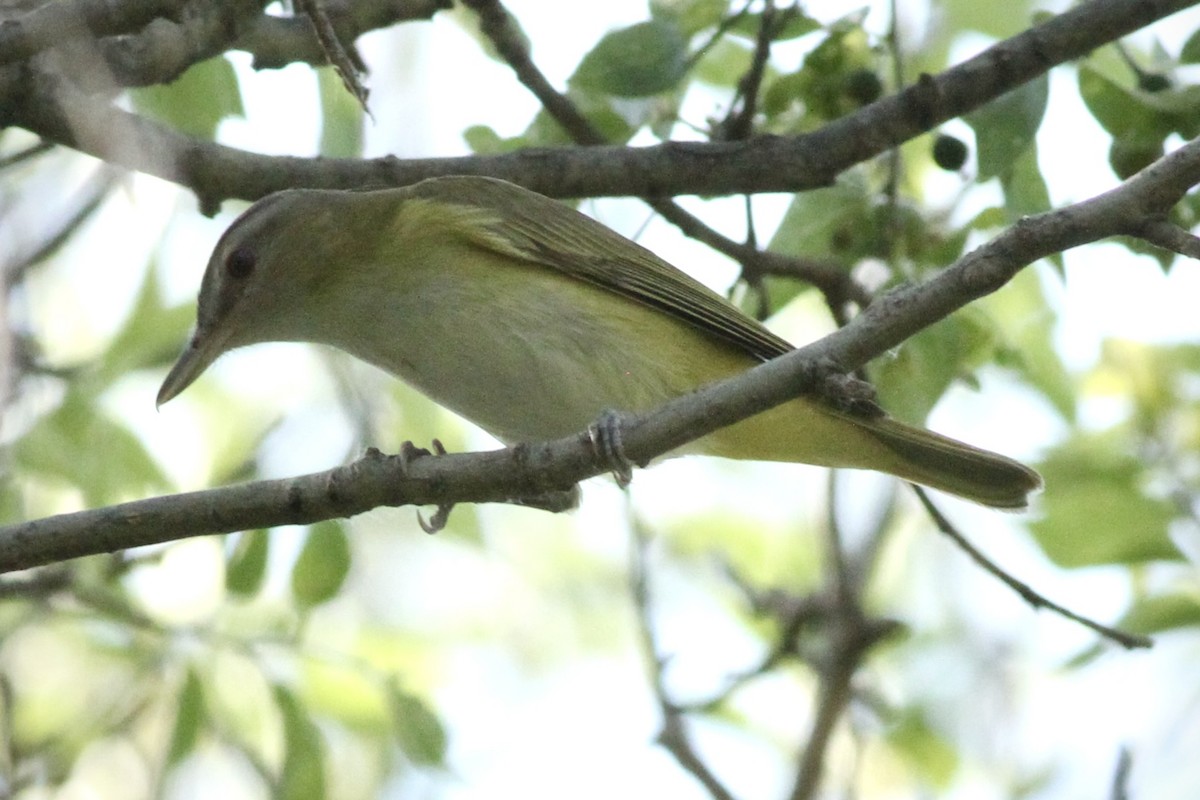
[[940, 462], [810, 432]]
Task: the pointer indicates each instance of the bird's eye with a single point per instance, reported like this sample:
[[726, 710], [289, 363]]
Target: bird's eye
[[240, 263]]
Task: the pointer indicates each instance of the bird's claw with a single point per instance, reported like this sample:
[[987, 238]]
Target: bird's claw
[[845, 392], [605, 437], [409, 453]]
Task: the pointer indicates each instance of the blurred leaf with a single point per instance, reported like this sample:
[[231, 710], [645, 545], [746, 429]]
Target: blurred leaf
[[197, 101], [912, 381], [151, 334], [998, 20], [544, 130], [1190, 53], [825, 223], [1140, 119], [341, 117], [692, 16], [643, 59], [483, 140], [1005, 128], [1162, 613], [189, 718], [933, 757], [1025, 191], [1117, 110], [1025, 320], [822, 84], [79, 444], [12, 504], [1094, 509], [323, 564], [1129, 158], [303, 774], [761, 553], [247, 564], [418, 729], [798, 24], [348, 693], [724, 63]]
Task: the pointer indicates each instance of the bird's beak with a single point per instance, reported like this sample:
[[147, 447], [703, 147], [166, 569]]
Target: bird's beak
[[199, 353]]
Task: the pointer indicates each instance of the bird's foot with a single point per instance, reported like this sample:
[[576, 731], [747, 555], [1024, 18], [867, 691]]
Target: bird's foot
[[409, 452], [605, 436], [845, 392]]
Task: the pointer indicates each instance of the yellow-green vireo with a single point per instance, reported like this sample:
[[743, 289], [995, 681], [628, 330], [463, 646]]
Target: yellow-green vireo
[[531, 319]]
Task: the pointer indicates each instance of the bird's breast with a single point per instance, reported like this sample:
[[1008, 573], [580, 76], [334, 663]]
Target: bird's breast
[[530, 354]]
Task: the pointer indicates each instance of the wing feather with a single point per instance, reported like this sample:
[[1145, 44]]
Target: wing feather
[[552, 234]]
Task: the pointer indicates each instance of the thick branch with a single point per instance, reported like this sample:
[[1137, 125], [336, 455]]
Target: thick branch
[[51, 23], [764, 164], [533, 469]]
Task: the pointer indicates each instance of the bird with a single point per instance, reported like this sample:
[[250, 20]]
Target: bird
[[531, 319]]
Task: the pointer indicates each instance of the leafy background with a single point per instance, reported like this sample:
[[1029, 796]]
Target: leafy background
[[508, 654]]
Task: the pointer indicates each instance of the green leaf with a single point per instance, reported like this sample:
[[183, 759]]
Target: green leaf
[[912, 381], [303, 774], [196, 101], [323, 564], [798, 24], [151, 334], [641, 60], [1162, 613], [1095, 511], [823, 224], [1139, 118], [418, 730], [929, 752], [483, 140], [189, 718], [1025, 320], [692, 16], [997, 20], [247, 564], [341, 117], [724, 63], [1005, 128], [79, 444], [1190, 54], [1025, 190]]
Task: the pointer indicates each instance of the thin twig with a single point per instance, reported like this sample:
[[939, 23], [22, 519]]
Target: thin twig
[[93, 196], [1169, 236], [673, 736], [851, 635], [497, 24], [1120, 779], [347, 63], [1129, 641], [739, 122], [26, 154]]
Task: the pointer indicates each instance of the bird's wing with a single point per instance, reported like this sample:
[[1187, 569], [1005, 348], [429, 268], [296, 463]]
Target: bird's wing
[[552, 234]]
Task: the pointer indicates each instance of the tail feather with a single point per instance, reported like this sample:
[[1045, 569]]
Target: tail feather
[[940, 462]]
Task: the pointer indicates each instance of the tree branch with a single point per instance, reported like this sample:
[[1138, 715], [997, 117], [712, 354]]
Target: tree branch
[[50, 24], [1129, 641], [763, 164], [833, 281], [278, 41], [673, 736], [534, 469]]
